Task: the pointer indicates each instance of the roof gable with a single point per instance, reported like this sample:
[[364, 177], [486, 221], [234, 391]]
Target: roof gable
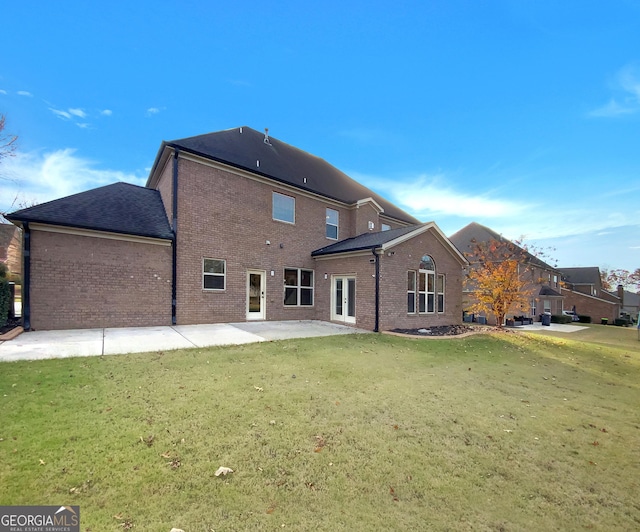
[[250, 150], [473, 233], [117, 208], [384, 240]]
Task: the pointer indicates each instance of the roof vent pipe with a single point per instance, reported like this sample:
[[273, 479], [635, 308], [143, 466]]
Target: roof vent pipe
[[266, 136]]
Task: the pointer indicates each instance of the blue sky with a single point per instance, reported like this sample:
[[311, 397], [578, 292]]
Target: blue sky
[[522, 116]]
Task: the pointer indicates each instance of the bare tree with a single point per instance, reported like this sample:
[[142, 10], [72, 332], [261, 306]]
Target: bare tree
[[8, 143]]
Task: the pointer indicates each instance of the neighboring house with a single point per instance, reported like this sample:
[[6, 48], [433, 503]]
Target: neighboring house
[[11, 248], [236, 226], [582, 288], [544, 280], [629, 303]]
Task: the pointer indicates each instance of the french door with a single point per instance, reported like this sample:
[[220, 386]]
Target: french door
[[256, 280], [343, 298]]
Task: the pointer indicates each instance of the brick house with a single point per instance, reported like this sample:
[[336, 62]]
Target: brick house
[[582, 288], [11, 248], [234, 226], [543, 279]]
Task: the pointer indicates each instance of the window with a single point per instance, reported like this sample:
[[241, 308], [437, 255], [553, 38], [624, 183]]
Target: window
[[547, 306], [385, 227], [411, 292], [284, 208], [533, 308], [332, 224], [555, 280], [426, 285], [214, 273], [440, 293], [298, 287]]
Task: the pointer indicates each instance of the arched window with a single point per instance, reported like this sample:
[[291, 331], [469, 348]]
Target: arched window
[[426, 263], [427, 285]]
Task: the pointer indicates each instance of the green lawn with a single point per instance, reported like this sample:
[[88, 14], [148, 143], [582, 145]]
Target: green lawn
[[357, 432]]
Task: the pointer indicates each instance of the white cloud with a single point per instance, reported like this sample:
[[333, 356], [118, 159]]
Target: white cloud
[[25, 93], [37, 177], [152, 111], [60, 114], [626, 87], [613, 108], [2, 91], [106, 112], [78, 112]]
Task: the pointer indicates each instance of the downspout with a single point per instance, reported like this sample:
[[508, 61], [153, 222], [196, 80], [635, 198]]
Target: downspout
[[174, 227], [377, 276], [26, 276]]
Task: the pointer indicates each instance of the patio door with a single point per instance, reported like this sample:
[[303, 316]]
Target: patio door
[[343, 298], [256, 280]]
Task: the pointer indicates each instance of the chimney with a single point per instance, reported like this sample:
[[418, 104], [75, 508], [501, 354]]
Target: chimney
[[621, 294]]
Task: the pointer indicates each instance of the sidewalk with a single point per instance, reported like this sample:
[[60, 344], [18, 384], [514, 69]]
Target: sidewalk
[[40, 345]]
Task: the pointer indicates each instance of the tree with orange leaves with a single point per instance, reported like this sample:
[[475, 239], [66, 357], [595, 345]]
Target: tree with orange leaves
[[496, 277]]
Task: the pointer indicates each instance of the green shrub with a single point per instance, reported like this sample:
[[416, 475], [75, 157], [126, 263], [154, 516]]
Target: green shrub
[[5, 295], [584, 319], [560, 318]]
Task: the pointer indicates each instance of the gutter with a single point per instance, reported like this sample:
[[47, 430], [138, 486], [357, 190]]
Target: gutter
[[26, 276], [377, 304], [174, 228]]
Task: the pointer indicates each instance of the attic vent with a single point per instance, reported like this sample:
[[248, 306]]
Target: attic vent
[[266, 136], [304, 179], [258, 163], [241, 131]]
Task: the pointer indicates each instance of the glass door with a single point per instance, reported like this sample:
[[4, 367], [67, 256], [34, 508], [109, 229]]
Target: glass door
[[255, 295], [343, 307]]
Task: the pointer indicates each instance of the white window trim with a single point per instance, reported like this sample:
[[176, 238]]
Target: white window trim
[[336, 225], [273, 213], [438, 294], [223, 275], [414, 292]]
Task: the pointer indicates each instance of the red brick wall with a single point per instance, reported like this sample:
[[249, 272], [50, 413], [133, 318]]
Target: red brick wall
[[80, 282], [393, 282], [228, 216], [590, 306]]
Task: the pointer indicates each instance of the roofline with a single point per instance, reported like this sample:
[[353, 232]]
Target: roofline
[[169, 147], [76, 229], [425, 227], [399, 240]]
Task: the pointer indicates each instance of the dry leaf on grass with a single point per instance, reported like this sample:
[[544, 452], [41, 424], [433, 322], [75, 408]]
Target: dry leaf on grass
[[223, 471]]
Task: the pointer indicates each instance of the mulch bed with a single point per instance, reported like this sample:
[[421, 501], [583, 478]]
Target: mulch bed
[[445, 330]]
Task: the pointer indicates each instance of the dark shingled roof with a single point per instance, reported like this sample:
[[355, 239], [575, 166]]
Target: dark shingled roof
[[117, 208], [364, 241], [474, 233], [243, 147], [548, 291], [585, 275]]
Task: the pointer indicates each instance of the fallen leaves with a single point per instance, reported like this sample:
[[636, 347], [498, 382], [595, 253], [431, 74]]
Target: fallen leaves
[[222, 470]]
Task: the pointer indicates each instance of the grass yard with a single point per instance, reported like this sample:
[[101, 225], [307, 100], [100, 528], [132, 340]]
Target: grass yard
[[357, 432]]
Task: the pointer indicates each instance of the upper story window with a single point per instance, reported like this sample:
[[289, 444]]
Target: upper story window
[[385, 227], [333, 218], [214, 272], [284, 208]]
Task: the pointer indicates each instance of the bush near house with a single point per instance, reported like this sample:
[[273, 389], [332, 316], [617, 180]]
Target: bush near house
[[561, 318], [5, 295], [584, 319]]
